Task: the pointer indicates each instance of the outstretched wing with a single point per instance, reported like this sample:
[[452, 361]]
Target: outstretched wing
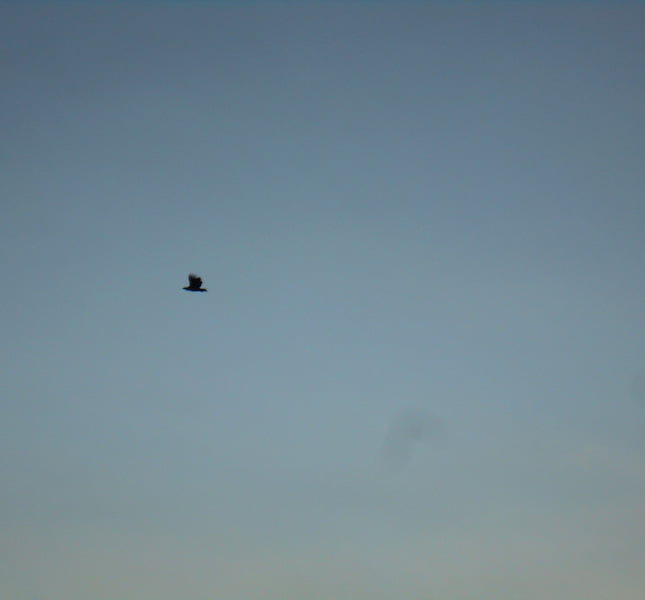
[[194, 281]]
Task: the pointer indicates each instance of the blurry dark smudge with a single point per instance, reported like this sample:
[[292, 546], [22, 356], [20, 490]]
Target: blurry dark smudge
[[408, 429]]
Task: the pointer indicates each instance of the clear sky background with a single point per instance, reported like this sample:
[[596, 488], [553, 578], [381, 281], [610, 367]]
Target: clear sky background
[[419, 371]]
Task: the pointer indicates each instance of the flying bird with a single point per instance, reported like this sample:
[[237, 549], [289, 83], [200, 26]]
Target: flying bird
[[195, 284]]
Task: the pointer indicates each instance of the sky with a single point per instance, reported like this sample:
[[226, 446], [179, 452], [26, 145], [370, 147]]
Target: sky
[[419, 369]]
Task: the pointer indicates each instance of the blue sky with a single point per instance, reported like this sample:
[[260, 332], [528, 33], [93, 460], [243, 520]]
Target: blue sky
[[419, 371]]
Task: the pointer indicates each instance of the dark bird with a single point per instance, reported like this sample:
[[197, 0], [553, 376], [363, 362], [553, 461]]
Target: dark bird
[[195, 284]]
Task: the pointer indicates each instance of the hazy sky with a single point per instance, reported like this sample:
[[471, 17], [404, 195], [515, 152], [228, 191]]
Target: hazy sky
[[419, 371]]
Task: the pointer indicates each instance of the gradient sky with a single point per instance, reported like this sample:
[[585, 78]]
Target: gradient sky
[[419, 371]]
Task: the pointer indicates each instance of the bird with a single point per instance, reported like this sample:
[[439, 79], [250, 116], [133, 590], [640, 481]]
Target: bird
[[194, 284]]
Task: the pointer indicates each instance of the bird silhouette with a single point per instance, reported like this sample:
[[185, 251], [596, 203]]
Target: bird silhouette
[[195, 284]]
